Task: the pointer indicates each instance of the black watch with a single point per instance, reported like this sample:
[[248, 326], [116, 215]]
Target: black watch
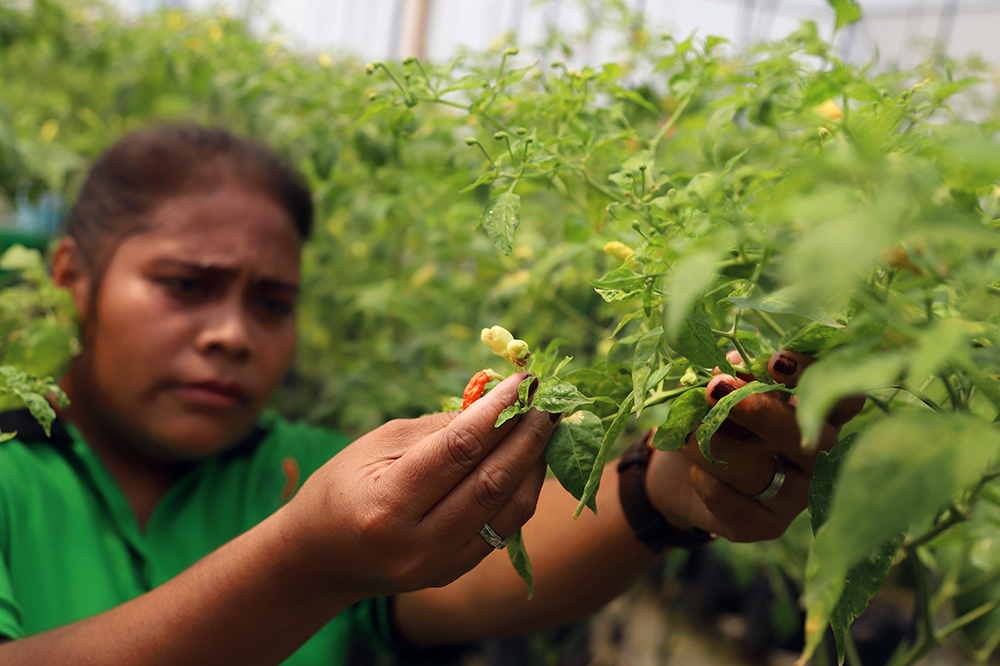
[[650, 526]]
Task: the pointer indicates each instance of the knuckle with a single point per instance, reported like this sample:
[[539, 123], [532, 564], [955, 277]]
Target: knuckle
[[396, 428], [464, 448], [377, 517], [522, 506], [537, 428], [493, 485]]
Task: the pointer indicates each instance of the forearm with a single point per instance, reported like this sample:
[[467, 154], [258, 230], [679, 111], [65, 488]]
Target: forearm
[[246, 603], [579, 565]]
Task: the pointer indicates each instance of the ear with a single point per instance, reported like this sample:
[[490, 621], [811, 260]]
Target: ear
[[69, 272]]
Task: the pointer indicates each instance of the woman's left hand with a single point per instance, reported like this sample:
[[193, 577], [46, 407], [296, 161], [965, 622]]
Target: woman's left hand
[[759, 442]]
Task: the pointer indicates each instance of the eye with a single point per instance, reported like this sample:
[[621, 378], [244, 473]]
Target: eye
[[275, 305], [278, 307], [185, 288]]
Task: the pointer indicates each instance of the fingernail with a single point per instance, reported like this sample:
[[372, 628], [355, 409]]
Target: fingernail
[[532, 389], [721, 390], [785, 366]]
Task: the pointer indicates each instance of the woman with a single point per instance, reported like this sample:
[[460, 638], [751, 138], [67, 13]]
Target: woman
[[161, 522]]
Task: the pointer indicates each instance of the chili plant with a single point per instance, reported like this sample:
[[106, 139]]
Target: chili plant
[[778, 198]]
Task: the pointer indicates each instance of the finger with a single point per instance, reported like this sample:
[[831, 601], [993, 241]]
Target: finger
[[718, 387], [740, 518], [767, 416], [481, 494], [435, 464], [746, 466], [787, 367], [515, 512], [733, 356]]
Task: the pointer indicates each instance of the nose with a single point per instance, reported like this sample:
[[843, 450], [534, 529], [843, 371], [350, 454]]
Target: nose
[[226, 330]]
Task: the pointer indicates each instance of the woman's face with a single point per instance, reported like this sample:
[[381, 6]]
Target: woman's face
[[195, 323]]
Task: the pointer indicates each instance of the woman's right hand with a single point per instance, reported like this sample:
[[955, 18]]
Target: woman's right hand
[[401, 508]]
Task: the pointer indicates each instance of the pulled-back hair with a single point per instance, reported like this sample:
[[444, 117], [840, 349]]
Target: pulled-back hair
[[142, 170]]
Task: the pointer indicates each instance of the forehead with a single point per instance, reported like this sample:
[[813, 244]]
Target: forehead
[[230, 225]]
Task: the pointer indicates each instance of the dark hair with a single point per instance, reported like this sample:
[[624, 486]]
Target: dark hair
[[129, 180]]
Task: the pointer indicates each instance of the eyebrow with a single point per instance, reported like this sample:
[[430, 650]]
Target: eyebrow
[[222, 271]]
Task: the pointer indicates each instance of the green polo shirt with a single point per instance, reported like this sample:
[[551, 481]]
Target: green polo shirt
[[70, 546]]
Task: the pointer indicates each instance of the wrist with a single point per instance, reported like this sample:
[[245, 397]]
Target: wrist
[[307, 567], [651, 527]]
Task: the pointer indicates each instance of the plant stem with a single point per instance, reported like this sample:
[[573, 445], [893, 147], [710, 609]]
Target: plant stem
[[769, 320], [399, 85], [926, 639], [670, 123], [983, 653], [851, 650], [920, 396], [956, 400], [446, 102], [955, 516], [963, 620], [731, 336]]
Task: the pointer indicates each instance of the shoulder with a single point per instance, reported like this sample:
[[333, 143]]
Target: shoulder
[[20, 426]]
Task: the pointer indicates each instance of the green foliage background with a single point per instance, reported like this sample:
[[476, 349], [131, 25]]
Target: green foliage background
[[453, 196]]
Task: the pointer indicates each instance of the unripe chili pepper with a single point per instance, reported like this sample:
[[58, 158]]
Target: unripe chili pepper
[[517, 351], [497, 339], [474, 389]]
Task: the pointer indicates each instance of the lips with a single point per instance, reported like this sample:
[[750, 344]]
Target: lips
[[212, 394]]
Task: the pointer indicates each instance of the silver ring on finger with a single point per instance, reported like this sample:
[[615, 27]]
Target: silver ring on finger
[[777, 481], [492, 537]]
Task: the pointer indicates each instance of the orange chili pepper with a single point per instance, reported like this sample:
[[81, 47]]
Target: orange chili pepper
[[474, 389]]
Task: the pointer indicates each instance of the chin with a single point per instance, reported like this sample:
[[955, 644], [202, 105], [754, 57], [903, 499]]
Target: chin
[[193, 437]]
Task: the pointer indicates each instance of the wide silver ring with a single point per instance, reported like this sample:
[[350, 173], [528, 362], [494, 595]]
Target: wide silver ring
[[777, 481], [492, 537]]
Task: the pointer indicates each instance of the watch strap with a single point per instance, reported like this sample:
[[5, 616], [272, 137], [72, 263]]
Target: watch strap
[[651, 528]]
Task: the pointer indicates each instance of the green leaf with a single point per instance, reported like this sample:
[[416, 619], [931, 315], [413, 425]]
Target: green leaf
[[940, 344], [784, 301], [909, 465], [33, 392], [484, 179], [691, 276], [610, 437], [720, 411], [619, 284], [866, 576], [816, 337], [20, 258], [824, 480], [837, 376], [697, 342], [594, 480], [572, 451], [686, 412], [848, 12], [519, 558], [500, 219], [40, 408], [645, 356], [515, 75], [400, 119], [557, 396]]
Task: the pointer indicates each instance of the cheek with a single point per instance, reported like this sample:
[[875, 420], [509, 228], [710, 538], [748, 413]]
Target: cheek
[[279, 353], [133, 332]]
